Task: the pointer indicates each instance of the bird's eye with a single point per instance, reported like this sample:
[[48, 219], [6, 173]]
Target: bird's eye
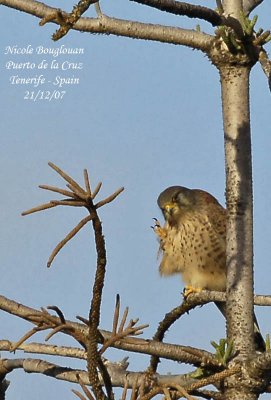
[[175, 198]]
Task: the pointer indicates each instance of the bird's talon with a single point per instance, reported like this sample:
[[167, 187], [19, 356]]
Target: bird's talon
[[160, 232], [190, 290]]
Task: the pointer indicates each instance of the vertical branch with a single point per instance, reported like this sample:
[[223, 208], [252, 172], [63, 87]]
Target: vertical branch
[[93, 357], [235, 101], [4, 384], [233, 7]]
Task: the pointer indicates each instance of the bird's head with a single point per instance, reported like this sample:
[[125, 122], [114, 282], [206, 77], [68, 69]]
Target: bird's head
[[175, 201]]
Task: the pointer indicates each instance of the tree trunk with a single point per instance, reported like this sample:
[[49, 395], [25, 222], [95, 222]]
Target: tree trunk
[[235, 102]]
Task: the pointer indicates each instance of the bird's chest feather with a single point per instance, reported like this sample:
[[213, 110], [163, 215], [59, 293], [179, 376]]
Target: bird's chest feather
[[194, 249]]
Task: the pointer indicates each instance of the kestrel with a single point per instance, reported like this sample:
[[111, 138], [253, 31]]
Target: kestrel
[[193, 242]]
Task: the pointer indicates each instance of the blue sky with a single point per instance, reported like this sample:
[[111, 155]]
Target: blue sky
[[144, 116]]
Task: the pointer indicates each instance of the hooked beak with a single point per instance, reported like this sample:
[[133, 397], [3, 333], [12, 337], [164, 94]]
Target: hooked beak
[[168, 209]]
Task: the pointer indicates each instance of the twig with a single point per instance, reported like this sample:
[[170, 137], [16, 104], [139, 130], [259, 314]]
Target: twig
[[181, 8], [219, 376], [183, 392], [118, 336], [70, 235], [266, 66], [96, 190], [109, 198], [55, 330], [249, 5], [87, 183], [68, 202], [38, 208], [78, 394], [58, 190], [208, 394], [169, 319], [32, 332], [72, 18], [40, 348], [66, 177], [134, 390], [98, 9], [124, 318], [124, 392], [186, 390], [116, 315], [59, 313], [77, 197], [167, 393], [85, 389]]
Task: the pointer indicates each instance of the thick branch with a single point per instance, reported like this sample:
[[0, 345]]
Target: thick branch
[[120, 377], [150, 347], [181, 8], [120, 27]]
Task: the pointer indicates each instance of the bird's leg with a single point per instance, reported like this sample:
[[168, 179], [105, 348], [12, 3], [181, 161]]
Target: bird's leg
[[190, 290], [160, 232]]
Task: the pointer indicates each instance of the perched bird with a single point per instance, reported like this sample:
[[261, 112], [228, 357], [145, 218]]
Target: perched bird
[[193, 242]]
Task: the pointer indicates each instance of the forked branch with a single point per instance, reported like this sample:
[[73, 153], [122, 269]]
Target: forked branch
[[119, 27], [84, 197], [75, 197]]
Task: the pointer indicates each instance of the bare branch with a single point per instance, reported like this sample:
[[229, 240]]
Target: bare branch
[[183, 393], [69, 21], [67, 178], [109, 198], [163, 350], [116, 315], [40, 348], [70, 235], [218, 377], [38, 208], [25, 337], [94, 360], [77, 197], [58, 190], [96, 190], [181, 8], [249, 5], [119, 27], [120, 377], [169, 319], [87, 183], [266, 66], [85, 389], [59, 313], [122, 332], [78, 394]]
